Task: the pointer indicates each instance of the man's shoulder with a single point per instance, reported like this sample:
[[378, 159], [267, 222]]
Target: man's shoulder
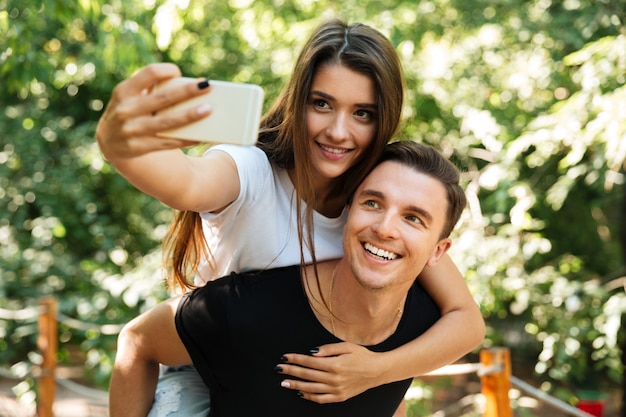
[[421, 309], [421, 298]]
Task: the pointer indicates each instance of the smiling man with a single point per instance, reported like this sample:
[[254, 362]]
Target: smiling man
[[234, 330]]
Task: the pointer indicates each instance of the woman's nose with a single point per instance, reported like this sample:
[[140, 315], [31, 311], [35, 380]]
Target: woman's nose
[[338, 129]]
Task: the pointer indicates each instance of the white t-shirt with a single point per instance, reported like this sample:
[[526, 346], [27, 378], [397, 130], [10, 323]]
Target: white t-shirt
[[259, 229]]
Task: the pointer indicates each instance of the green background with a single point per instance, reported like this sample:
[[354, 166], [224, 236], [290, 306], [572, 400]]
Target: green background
[[526, 97]]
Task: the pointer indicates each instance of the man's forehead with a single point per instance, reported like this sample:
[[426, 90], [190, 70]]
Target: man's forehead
[[403, 182], [386, 171]]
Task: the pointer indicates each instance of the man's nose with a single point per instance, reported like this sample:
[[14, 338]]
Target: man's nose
[[386, 227]]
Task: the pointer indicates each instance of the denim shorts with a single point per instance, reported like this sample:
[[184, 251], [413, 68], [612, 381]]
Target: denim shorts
[[180, 392]]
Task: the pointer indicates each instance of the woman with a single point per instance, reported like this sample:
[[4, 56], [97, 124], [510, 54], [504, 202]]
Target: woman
[[326, 130]]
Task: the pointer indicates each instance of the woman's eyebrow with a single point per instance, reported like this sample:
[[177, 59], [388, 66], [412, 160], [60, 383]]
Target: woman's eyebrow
[[330, 97], [322, 94]]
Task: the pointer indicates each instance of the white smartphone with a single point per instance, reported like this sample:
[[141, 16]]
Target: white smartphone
[[236, 113]]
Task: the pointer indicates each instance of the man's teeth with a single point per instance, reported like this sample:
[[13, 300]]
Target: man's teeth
[[380, 252], [333, 150]]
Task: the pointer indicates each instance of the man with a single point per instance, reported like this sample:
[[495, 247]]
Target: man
[[236, 329]]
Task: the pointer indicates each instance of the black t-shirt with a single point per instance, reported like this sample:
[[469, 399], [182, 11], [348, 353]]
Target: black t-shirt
[[236, 329]]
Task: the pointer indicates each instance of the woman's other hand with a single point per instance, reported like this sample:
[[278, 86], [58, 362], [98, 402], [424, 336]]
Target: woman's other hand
[[333, 373]]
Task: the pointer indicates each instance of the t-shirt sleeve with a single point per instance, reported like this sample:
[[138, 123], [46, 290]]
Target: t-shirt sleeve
[[253, 168]]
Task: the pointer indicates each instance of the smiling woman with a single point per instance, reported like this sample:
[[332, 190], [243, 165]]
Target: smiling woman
[[341, 124]]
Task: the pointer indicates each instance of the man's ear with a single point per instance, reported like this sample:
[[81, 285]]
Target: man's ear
[[442, 247]]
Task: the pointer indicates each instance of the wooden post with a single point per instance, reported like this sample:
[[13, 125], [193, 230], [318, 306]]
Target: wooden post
[[496, 381], [47, 343]]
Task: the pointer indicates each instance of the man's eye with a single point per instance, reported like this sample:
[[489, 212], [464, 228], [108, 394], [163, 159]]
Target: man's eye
[[371, 203], [413, 219]]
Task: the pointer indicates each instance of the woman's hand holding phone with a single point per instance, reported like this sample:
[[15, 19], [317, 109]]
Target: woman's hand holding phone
[[135, 114]]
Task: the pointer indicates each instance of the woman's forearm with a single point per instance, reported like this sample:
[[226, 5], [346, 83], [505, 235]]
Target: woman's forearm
[[454, 335]]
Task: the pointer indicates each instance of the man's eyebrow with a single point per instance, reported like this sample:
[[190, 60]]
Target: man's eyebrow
[[413, 208], [329, 97], [372, 193], [424, 213]]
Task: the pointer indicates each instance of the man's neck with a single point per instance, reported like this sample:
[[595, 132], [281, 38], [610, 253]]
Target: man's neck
[[349, 311]]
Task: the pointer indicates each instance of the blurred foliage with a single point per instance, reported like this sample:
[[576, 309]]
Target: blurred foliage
[[531, 112]]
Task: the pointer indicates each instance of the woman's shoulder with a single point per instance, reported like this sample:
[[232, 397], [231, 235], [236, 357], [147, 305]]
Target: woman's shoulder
[[240, 152], [252, 163]]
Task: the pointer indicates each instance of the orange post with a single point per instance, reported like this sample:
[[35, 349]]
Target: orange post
[[496, 381], [47, 345]]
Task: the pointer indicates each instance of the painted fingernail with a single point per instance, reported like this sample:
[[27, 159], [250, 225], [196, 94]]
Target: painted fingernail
[[285, 384], [314, 350], [284, 359], [278, 368], [299, 394], [203, 84]]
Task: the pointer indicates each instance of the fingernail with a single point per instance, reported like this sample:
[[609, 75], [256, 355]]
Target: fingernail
[[285, 384], [278, 368], [284, 359], [203, 109], [314, 350], [300, 394], [203, 84]]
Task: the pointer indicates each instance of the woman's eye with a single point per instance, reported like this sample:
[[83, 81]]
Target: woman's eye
[[371, 203], [321, 104], [364, 114]]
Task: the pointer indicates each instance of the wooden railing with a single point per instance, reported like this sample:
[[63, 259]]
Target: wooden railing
[[47, 343], [495, 381]]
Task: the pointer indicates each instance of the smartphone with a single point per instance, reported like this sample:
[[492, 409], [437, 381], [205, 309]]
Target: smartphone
[[236, 113]]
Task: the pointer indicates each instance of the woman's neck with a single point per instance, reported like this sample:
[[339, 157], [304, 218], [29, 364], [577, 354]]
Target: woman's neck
[[327, 202]]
